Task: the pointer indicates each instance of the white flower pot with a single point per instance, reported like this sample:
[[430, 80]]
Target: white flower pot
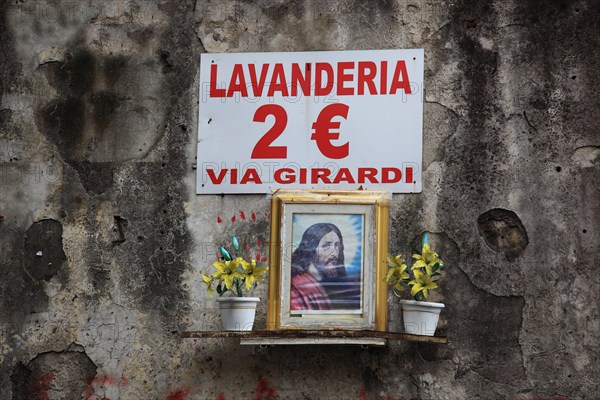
[[237, 313], [420, 317]]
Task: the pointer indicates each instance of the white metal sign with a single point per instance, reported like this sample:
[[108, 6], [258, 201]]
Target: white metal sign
[[310, 120]]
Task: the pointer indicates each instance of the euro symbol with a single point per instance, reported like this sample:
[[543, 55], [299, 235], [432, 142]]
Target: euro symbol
[[322, 131]]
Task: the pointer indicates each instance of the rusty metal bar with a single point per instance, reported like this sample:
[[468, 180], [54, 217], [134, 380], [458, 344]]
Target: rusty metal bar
[[291, 334]]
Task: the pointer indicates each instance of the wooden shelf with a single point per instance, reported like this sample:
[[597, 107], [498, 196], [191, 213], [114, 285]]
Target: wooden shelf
[[297, 337]]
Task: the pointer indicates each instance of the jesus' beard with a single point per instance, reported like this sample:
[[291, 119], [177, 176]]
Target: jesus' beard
[[331, 271]]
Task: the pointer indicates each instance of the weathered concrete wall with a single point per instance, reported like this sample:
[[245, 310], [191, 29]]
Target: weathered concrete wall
[[98, 127]]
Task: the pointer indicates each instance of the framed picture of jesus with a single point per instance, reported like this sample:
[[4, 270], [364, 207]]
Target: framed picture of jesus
[[328, 260]]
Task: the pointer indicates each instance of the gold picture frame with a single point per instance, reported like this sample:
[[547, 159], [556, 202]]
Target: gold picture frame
[[328, 260]]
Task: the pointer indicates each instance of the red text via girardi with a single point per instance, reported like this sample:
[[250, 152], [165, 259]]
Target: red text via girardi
[[313, 176]]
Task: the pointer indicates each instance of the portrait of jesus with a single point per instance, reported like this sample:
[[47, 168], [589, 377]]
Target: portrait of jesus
[[327, 263]]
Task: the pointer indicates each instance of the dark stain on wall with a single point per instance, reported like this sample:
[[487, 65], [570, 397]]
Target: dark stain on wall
[[484, 329], [43, 249], [279, 12], [76, 120], [22, 278], [5, 117], [476, 142], [53, 374], [71, 198], [165, 60], [21, 295], [152, 198], [503, 232], [113, 68], [142, 35], [76, 75], [10, 68], [404, 223], [489, 327], [96, 177], [63, 121], [565, 35], [372, 384], [104, 104], [152, 267]]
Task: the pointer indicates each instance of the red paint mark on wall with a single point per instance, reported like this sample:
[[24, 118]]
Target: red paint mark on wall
[[242, 216], [181, 394], [104, 380], [258, 256], [264, 391], [41, 386]]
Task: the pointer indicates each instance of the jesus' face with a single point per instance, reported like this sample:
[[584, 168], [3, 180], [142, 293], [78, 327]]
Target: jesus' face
[[327, 256]]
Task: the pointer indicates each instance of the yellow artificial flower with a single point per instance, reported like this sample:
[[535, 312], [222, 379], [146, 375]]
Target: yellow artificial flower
[[228, 271], [208, 280], [397, 272], [253, 273], [426, 259], [421, 283]]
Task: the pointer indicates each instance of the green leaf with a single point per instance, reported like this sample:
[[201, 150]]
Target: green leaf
[[419, 296], [238, 288]]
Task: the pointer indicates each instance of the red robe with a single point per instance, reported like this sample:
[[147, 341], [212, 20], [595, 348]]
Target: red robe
[[308, 294]]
